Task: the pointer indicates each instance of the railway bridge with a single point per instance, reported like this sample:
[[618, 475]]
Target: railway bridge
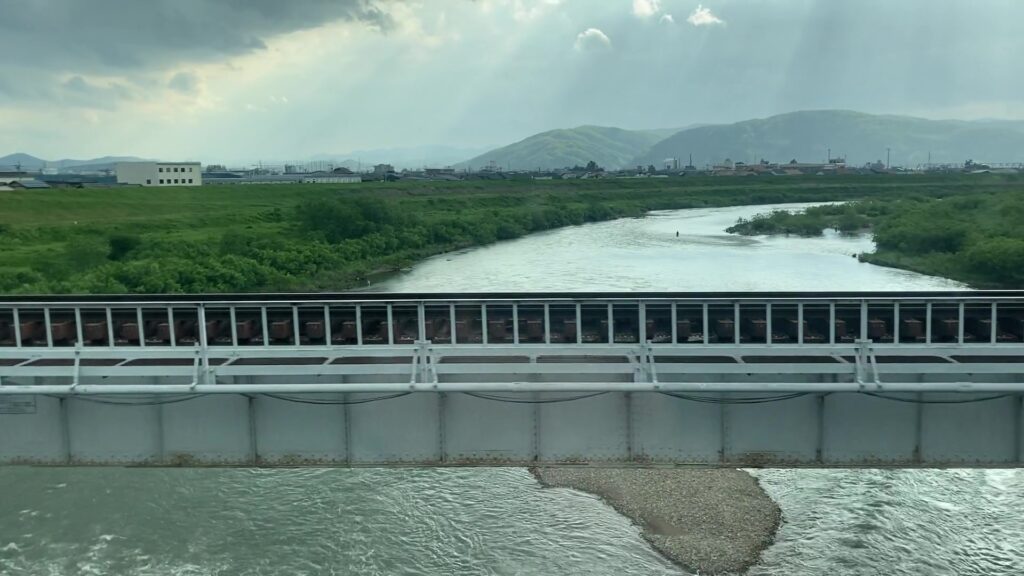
[[621, 379]]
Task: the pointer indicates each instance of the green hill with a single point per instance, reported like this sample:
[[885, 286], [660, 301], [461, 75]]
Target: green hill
[[609, 147], [860, 138]]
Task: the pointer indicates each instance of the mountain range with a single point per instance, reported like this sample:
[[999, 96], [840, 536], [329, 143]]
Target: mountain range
[[806, 136], [30, 163], [859, 138], [609, 147], [413, 157]]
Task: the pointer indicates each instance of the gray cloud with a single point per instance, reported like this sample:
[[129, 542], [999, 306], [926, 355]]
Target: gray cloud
[[480, 75], [184, 82], [78, 91], [123, 35]]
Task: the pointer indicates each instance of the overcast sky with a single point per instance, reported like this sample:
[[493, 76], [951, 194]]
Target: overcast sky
[[239, 80]]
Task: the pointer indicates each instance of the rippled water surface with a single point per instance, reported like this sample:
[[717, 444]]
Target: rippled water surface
[[498, 521]]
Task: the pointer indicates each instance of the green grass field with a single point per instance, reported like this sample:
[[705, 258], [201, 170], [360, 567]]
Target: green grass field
[[329, 237]]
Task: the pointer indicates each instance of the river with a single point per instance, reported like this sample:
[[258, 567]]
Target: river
[[499, 521]]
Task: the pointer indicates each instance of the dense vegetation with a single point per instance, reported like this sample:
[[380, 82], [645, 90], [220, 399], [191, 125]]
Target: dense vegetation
[[329, 237], [975, 237]]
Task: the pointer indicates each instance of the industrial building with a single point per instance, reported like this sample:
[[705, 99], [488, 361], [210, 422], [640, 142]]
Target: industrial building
[[293, 178], [160, 173]]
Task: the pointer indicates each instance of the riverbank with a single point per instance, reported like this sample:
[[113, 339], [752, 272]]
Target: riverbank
[[707, 521], [972, 237], [331, 237]]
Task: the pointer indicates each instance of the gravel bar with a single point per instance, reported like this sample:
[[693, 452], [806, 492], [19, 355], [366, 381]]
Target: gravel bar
[[711, 521]]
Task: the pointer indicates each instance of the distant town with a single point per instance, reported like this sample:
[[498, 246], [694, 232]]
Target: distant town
[[157, 174]]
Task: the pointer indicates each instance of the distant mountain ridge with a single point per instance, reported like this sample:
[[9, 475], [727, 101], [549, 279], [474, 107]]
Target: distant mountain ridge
[[859, 138], [27, 162], [609, 147], [412, 157], [806, 136]]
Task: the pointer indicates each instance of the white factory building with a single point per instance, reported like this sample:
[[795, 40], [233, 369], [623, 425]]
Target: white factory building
[[160, 173]]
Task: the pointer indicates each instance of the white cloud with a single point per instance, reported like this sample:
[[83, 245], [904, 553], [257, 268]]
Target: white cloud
[[525, 11], [704, 17], [646, 8], [667, 19], [592, 39]]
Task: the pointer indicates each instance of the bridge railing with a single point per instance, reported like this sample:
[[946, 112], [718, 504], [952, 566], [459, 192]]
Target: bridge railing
[[395, 320]]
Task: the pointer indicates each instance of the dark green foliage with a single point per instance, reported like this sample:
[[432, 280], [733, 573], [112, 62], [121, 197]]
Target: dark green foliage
[[975, 237], [122, 244], [325, 237]]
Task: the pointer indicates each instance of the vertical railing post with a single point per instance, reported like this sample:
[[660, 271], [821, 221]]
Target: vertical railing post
[[421, 321], [928, 323], [736, 322], [483, 323], [707, 323], [675, 321], [233, 318], [960, 324], [48, 327], [896, 323], [768, 323], [451, 322], [171, 332], [204, 343], [995, 323], [611, 323], [800, 323], [579, 323], [515, 323], [328, 329], [863, 320], [359, 324], [831, 322], [642, 331], [202, 326], [266, 328], [295, 325], [140, 325], [391, 324], [79, 338], [547, 323], [17, 328], [110, 327]]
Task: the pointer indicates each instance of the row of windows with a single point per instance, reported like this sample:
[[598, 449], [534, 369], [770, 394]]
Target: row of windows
[[174, 169], [176, 181]]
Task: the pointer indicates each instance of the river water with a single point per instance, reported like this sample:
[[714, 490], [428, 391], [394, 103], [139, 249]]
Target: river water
[[499, 521]]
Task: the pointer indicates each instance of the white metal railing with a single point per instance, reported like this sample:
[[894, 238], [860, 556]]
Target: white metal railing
[[958, 318], [952, 341]]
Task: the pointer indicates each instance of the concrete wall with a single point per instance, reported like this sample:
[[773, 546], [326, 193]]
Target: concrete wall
[[456, 429]]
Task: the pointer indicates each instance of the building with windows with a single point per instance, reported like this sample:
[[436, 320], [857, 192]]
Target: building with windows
[[160, 173]]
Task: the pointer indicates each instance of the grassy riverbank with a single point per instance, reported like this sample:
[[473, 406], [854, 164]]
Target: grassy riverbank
[[329, 237], [974, 237]]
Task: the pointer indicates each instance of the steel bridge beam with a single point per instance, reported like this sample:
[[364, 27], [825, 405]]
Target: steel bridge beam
[[605, 379]]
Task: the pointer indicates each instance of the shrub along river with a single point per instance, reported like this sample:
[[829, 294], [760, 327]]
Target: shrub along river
[[500, 521]]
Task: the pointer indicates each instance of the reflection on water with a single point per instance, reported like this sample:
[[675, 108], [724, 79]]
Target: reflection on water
[[498, 521], [645, 254]]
